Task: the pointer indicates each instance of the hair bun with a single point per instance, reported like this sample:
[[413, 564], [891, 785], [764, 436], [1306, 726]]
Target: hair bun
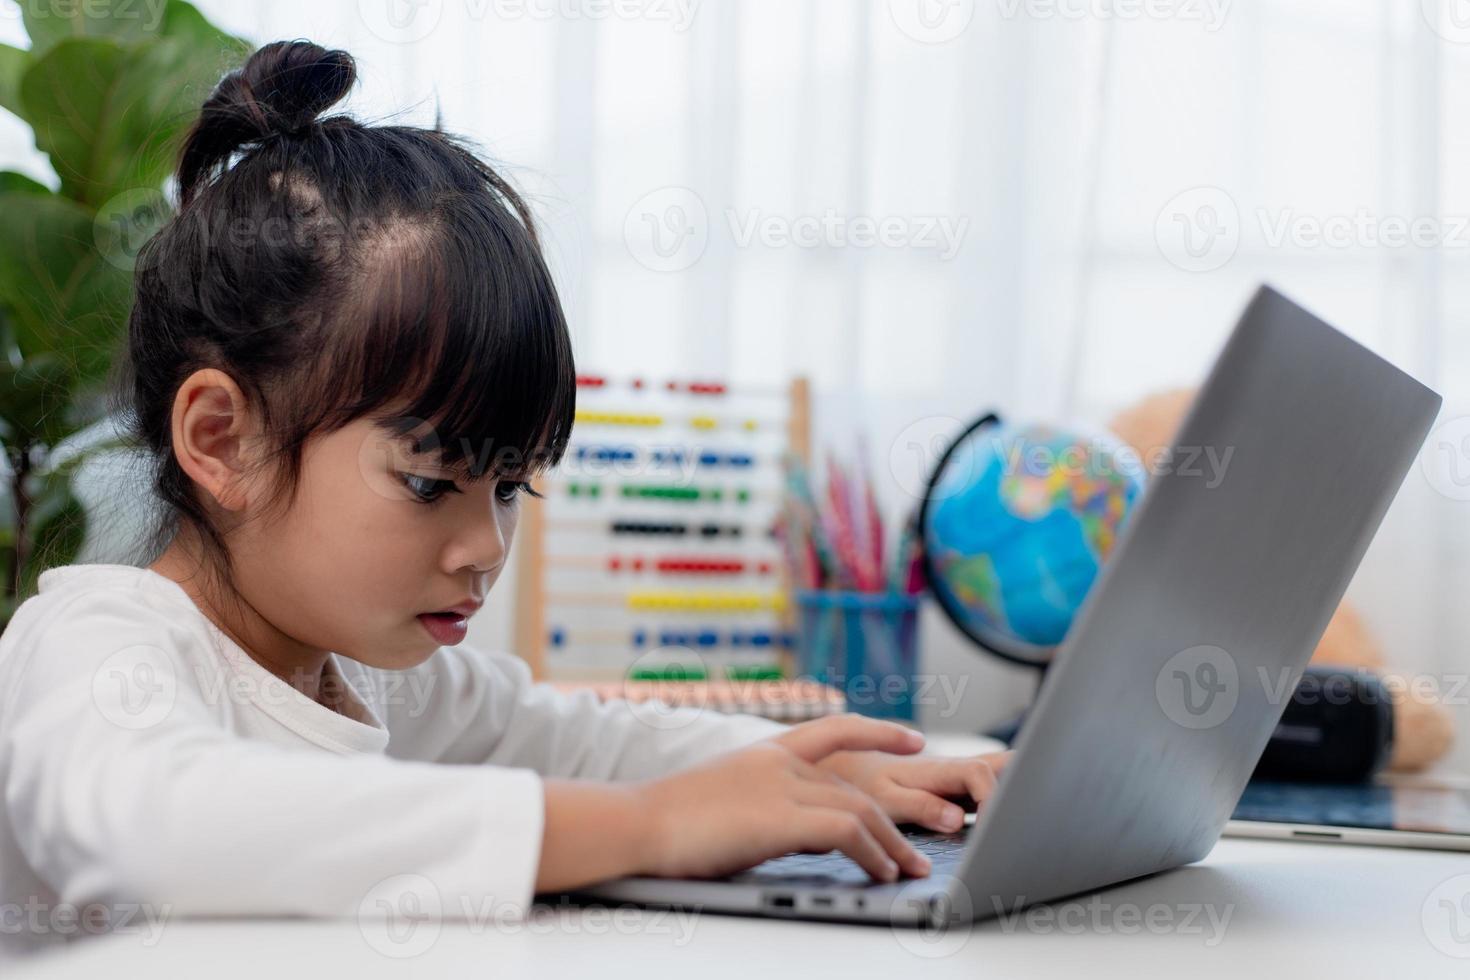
[[282, 88]]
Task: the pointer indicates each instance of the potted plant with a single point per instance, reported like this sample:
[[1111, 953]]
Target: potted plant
[[108, 87]]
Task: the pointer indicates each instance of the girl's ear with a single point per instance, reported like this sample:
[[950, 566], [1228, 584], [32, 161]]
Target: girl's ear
[[212, 430]]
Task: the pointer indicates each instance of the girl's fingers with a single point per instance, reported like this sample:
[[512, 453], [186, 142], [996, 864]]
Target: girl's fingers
[[919, 806], [814, 740], [839, 795], [973, 777], [823, 828]]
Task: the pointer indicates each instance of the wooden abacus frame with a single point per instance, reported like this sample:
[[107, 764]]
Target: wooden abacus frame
[[530, 563]]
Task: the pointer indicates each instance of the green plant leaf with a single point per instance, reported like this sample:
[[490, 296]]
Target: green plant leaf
[[13, 64], [49, 22], [74, 93], [12, 181], [63, 296], [183, 20], [114, 115]]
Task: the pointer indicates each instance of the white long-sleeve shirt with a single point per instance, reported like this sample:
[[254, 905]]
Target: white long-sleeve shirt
[[146, 758]]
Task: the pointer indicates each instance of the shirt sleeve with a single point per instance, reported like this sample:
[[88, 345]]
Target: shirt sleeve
[[467, 705], [123, 783]]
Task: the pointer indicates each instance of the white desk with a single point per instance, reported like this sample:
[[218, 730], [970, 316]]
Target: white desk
[[1280, 910]]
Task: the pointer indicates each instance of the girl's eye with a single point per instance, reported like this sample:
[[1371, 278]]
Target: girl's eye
[[507, 490], [426, 489]]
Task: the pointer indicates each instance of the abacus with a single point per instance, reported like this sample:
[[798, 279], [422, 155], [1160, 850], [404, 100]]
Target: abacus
[[653, 555]]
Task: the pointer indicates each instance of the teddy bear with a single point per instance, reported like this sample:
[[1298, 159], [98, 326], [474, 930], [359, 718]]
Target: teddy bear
[[1422, 727]]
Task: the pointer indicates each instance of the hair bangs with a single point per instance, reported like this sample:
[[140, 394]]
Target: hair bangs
[[464, 344]]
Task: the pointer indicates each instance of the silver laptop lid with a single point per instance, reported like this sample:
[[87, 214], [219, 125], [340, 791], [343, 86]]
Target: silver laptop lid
[[1161, 699]]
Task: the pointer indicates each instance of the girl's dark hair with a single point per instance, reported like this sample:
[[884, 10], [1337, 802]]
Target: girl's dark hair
[[336, 271]]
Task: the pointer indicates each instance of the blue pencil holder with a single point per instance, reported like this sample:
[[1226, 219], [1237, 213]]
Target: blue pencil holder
[[865, 644]]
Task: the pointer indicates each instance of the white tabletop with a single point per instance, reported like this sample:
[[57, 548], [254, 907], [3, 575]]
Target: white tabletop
[[1251, 908]]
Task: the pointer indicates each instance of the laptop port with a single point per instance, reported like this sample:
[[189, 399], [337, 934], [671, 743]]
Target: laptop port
[[821, 901], [781, 901]]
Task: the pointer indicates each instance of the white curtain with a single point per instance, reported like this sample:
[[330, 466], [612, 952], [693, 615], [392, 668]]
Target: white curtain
[[932, 207]]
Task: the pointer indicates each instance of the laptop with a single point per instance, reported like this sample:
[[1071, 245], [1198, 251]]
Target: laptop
[[1162, 696]]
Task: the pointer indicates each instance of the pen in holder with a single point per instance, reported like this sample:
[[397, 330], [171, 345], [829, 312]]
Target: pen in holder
[[863, 643]]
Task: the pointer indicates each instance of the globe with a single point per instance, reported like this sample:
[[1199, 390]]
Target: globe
[[1016, 525]]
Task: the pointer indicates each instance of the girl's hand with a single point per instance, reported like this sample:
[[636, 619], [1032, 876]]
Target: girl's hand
[[771, 798], [921, 790]]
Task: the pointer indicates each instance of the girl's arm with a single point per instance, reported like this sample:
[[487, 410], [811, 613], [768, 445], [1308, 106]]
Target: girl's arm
[[467, 705], [170, 805]]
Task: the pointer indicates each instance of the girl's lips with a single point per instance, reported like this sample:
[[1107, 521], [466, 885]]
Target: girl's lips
[[447, 629]]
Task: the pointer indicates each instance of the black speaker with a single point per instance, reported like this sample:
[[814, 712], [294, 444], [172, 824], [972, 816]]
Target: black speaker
[[1337, 728]]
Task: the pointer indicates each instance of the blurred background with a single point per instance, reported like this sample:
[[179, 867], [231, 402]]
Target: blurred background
[[932, 208]]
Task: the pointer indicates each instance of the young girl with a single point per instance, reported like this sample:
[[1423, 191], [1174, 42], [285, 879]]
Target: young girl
[[346, 361]]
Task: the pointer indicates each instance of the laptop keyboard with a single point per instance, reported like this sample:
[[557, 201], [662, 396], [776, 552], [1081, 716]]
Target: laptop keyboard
[[837, 869]]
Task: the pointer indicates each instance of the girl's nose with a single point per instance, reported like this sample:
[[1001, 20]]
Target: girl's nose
[[482, 548]]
